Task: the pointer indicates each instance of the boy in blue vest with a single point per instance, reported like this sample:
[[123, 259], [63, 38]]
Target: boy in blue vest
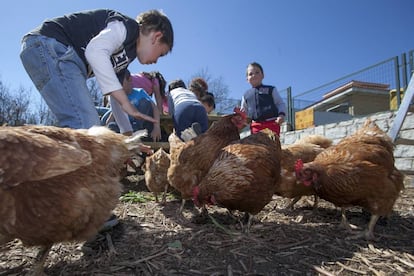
[[63, 52], [262, 103]]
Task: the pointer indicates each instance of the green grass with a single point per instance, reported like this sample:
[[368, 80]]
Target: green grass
[[136, 197], [140, 197]]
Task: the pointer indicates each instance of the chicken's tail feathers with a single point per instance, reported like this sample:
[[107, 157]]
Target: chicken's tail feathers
[[369, 122], [134, 142], [269, 133], [136, 137], [188, 134], [174, 140], [398, 179]]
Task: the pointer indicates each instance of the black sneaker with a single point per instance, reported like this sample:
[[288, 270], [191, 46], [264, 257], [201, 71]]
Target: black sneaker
[[196, 127]]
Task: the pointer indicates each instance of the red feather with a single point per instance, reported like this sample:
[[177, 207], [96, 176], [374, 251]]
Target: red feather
[[241, 113]]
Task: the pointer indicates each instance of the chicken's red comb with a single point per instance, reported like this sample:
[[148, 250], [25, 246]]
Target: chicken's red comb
[[298, 165], [243, 114]]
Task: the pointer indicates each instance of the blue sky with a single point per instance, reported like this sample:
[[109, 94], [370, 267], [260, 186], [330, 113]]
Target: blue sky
[[300, 43]]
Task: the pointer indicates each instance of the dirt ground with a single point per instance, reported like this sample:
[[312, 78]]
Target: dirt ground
[[152, 239]]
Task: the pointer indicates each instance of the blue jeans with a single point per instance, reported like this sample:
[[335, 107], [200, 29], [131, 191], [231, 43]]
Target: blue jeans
[[59, 74], [187, 113]]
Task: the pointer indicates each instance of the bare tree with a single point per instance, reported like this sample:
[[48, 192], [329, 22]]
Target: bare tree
[[95, 91], [44, 115], [20, 107], [220, 89], [4, 102], [14, 108]]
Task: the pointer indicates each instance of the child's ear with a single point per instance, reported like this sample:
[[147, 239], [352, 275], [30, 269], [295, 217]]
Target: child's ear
[[157, 35]]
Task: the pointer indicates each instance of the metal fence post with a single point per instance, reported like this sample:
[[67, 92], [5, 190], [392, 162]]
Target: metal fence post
[[404, 70], [397, 81], [290, 115]]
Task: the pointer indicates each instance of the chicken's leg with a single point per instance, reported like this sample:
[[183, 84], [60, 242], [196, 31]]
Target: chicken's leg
[[180, 211], [344, 221], [249, 223], [369, 232], [164, 195], [315, 202], [40, 260], [293, 202]]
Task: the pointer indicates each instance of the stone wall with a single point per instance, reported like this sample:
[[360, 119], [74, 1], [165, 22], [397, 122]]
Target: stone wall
[[404, 154]]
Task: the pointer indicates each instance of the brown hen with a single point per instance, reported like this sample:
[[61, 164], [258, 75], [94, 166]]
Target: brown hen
[[57, 184], [190, 161], [322, 141], [244, 175], [306, 149], [156, 167], [358, 171]]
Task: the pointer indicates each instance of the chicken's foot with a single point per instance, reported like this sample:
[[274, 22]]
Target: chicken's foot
[[180, 211], [293, 202], [249, 223], [40, 260], [164, 195], [315, 202], [344, 221], [368, 233]]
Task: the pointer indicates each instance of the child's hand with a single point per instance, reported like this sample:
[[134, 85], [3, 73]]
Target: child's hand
[[156, 132], [280, 120]]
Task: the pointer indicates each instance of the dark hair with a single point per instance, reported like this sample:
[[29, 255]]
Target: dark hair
[[199, 86], [154, 20], [208, 98], [161, 81], [255, 64], [176, 84]]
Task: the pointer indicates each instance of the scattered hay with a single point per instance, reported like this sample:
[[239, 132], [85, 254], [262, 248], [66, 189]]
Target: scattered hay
[[152, 239]]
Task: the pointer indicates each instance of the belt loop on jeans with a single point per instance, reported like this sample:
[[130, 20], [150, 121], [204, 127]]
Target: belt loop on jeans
[[25, 38]]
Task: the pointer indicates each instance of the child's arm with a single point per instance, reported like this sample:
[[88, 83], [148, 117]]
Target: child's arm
[[280, 104], [156, 132], [121, 118], [98, 53], [158, 97], [126, 105]]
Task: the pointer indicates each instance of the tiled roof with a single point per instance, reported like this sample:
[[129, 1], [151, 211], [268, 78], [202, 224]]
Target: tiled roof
[[356, 84]]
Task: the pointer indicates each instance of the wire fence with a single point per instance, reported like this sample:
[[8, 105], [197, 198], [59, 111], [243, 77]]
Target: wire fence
[[394, 72], [226, 106]]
